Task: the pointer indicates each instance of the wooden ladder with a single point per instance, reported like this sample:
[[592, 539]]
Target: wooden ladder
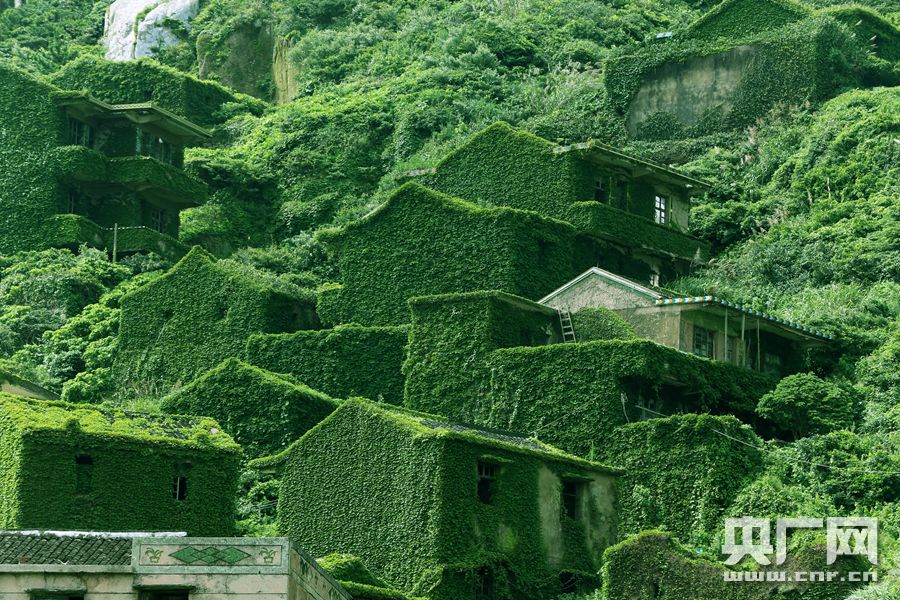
[[565, 323]]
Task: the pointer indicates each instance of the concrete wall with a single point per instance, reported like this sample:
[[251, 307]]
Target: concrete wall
[[594, 291], [688, 90]]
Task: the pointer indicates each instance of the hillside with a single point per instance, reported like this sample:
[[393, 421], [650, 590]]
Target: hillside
[[332, 276]]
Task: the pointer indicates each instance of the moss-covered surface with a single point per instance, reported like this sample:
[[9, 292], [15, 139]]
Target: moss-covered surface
[[699, 464], [421, 242], [263, 411], [203, 102], [422, 527], [349, 360], [128, 485], [492, 358], [592, 324], [809, 58], [189, 320]]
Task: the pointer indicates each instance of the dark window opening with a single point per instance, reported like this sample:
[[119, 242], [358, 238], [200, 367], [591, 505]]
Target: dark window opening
[[704, 342], [179, 482], [72, 202], [158, 219], [484, 584], [80, 133], [570, 493], [166, 595], [621, 194], [601, 190], [487, 474], [568, 583], [84, 474], [179, 488], [156, 147]]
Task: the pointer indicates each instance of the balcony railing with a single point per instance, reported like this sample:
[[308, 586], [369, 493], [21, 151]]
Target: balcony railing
[[74, 230]]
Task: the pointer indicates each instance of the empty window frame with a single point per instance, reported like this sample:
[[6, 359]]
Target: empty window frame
[[158, 219], [180, 482], [704, 342], [601, 190], [166, 595], [571, 492], [484, 584], [84, 474], [80, 133], [621, 194], [487, 476], [661, 210]]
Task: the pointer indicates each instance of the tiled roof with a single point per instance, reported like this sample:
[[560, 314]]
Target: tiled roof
[[821, 333], [56, 549]]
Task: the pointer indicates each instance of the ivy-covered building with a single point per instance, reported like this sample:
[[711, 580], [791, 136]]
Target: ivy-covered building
[[500, 361], [77, 170], [743, 58], [421, 242], [452, 511], [189, 320], [637, 211], [78, 466], [263, 411], [706, 326]]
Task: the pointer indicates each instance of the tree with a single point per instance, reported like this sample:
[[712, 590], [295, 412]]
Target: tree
[[804, 405]]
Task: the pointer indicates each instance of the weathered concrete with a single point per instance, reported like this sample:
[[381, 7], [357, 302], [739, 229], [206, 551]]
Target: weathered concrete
[[688, 90], [135, 28]]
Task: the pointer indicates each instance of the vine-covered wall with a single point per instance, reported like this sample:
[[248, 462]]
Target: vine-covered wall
[[192, 318], [127, 482], [347, 361], [806, 60], [423, 527], [699, 464], [489, 358], [421, 242], [264, 411], [31, 125]]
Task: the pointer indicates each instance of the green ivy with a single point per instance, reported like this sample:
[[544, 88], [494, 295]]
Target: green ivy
[[263, 411], [135, 458]]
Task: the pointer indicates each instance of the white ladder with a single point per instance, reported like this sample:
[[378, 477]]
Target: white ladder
[[565, 323]]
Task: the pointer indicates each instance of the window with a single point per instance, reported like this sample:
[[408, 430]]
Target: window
[[568, 583], [72, 202], [158, 219], [662, 210], [570, 494], [601, 193], [487, 474], [704, 342], [56, 596], [80, 133], [622, 194], [84, 474], [166, 595], [484, 584], [180, 481]]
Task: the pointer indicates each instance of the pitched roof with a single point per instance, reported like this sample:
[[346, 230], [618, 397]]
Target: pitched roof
[[29, 416], [608, 275], [47, 548]]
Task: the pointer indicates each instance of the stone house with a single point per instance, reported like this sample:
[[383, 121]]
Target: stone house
[[77, 170], [451, 511], [189, 320], [67, 466], [58, 565], [637, 210], [707, 326]]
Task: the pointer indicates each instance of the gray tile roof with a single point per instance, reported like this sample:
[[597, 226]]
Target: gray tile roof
[[67, 549]]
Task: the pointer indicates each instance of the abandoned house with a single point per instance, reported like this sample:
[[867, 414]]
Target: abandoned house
[[82, 171], [707, 326], [199, 313], [454, 511], [72, 565], [80, 466], [635, 209]]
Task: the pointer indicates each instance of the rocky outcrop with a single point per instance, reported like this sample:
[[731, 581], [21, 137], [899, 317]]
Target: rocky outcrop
[[136, 28]]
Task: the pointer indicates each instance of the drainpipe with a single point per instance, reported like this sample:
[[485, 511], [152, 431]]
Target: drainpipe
[[115, 241]]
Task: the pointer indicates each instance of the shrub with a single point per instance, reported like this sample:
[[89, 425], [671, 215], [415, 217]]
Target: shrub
[[803, 404], [601, 324]]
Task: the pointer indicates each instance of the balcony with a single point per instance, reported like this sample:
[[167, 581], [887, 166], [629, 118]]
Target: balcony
[[71, 231], [146, 176], [606, 222]]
